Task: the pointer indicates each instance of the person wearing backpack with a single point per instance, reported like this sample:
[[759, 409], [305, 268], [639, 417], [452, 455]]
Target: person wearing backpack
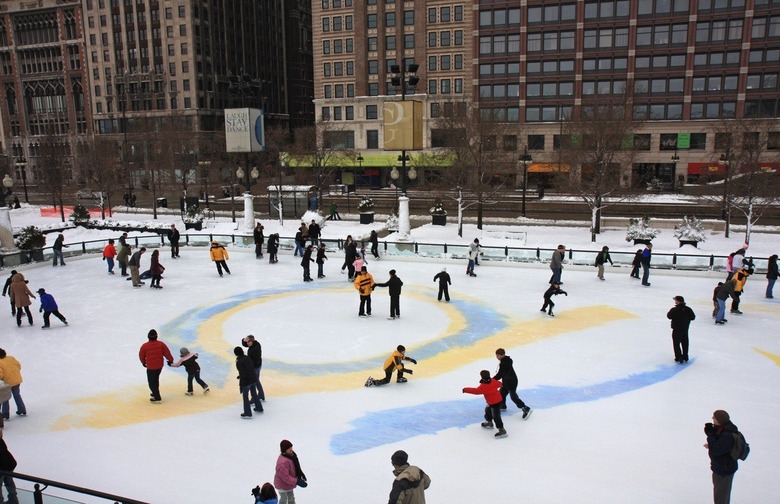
[[720, 441]]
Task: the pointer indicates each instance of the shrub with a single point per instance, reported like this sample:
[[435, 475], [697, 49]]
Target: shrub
[[690, 229], [31, 238], [641, 230], [80, 213], [438, 208]]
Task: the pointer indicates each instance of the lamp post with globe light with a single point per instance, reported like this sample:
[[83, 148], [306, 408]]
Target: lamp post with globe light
[[6, 229], [248, 178]]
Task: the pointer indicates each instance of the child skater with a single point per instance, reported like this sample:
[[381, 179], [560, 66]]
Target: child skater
[[189, 361], [393, 363], [321, 258], [265, 495], [554, 289], [491, 389]]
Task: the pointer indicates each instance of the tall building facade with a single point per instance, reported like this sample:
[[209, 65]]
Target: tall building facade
[[74, 68], [687, 65]]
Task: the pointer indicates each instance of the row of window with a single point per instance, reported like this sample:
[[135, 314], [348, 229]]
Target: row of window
[[445, 14], [339, 68], [766, 28], [338, 46], [445, 86], [445, 62], [337, 23], [336, 4], [337, 91], [372, 20], [445, 38]]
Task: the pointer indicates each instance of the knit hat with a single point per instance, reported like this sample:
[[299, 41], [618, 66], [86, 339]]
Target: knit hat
[[392, 272], [721, 416], [679, 298], [400, 458], [238, 351], [444, 270], [485, 376], [285, 445], [401, 348], [184, 351], [41, 291]]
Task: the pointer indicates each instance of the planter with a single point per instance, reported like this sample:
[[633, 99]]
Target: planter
[[439, 220], [642, 241], [367, 218], [689, 242], [197, 226]]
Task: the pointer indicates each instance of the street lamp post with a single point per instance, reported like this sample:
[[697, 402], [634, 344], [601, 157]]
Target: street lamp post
[[21, 164], [675, 160], [248, 178], [204, 165], [725, 160], [400, 79], [6, 229], [525, 159]]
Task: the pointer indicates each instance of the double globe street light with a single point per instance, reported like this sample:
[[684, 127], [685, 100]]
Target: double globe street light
[[248, 178]]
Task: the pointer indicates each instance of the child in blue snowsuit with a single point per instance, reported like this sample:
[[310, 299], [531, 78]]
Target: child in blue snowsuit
[[49, 308]]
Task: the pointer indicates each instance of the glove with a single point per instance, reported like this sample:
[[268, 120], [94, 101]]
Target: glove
[[709, 429], [463, 391], [566, 294], [144, 365], [170, 362], [413, 361], [40, 311]]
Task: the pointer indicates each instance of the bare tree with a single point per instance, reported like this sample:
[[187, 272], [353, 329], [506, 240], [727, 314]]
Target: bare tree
[[479, 158], [52, 153], [323, 147], [277, 144], [98, 159], [750, 185], [598, 148]]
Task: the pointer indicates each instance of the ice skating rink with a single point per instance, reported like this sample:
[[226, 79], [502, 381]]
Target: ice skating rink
[[615, 419]]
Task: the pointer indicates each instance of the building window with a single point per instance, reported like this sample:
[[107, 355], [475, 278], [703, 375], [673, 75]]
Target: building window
[[371, 112], [371, 21], [389, 19], [349, 113], [390, 43], [373, 67], [409, 41], [409, 18], [372, 139], [431, 15], [373, 89]]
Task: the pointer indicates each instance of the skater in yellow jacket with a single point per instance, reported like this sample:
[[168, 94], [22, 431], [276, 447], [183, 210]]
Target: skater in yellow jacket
[[219, 255], [364, 283], [394, 363]]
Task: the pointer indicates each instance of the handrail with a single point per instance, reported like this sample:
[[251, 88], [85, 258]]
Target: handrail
[[673, 260], [38, 492]]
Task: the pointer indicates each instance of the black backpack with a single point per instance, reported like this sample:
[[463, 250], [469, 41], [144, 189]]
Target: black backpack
[[740, 449]]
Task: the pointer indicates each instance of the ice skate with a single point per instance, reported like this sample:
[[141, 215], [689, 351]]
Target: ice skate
[[401, 380], [370, 382], [500, 434], [527, 412], [487, 425]]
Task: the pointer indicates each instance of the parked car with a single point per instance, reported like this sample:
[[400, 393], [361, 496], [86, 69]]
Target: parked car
[[89, 194]]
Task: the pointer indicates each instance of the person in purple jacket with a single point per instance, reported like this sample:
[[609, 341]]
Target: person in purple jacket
[[49, 308]]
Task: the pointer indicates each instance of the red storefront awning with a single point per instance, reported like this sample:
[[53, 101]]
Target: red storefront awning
[[706, 169]]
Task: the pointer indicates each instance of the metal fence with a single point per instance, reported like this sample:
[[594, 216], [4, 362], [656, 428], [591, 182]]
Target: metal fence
[[676, 261]]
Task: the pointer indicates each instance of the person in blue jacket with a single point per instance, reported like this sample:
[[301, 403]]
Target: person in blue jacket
[[49, 308]]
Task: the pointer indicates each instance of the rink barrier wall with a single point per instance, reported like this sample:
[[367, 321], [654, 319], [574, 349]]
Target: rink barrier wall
[[670, 261], [41, 484]]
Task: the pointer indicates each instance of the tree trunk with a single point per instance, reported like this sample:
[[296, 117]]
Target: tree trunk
[[460, 213], [749, 223], [594, 219], [479, 212], [62, 210]]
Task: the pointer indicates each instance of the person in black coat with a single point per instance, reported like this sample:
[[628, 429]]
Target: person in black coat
[[720, 440], [273, 248], [350, 254], [444, 281], [8, 463], [394, 286], [506, 374], [255, 352], [681, 316], [374, 239], [259, 240], [636, 264], [246, 382], [554, 290], [321, 258], [306, 262], [6, 289], [173, 237], [601, 260]]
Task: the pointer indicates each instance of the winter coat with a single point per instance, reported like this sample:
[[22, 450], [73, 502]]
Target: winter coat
[[7, 461], [637, 259], [285, 478], [135, 259], [10, 371], [506, 372], [218, 252], [273, 244], [720, 441], [603, 258], [246, 371], [20, 293], [350, 252], [358, 264], [740, 277], [491, 391], [190, 363], [153, 353], [772, 272], [364, 283], [299, 238], [48, 303], [58, 243], [737, 261], [109, 251], [321, 257], [474, 250], [396, 361], [681, 316], [443, 277], [7, 285], [409, 485], [726, 290], [394, 285], [255, 352], [556, 262], [374, 239], [156, 268], [554, 291], [314, 231], [123, 255], [174, 235], [258, 236], [306, 259], [646, 256]]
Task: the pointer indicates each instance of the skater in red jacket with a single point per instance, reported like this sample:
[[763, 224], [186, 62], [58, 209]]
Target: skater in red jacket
[[491, 389], [153, 355]]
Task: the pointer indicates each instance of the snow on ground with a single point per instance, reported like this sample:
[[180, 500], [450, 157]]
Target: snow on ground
[[615, 420]]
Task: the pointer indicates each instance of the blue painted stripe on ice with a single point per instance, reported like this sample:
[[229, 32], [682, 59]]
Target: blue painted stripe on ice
[[390, 426]]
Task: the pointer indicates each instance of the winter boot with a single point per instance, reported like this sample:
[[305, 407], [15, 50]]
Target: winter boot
[[401, 379], [527, 412], [369, 382], [501, 433], [487, 425]]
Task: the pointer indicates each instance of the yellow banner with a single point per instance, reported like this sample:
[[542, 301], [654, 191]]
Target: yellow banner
[[403, 125]]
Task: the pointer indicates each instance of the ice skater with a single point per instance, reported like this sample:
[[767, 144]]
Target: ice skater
[[601, 260], [636, 264], [190, 362], [444, 281], [20, 298], [394, 363], [554, 290], [474, 252], [364, 283], [647, 256], [394, 285], [247, 383], [7, 289], [156, 269], [220, 256], [49, 308], [556, 264], [174, 236], [681, 316], [491, 390], [321, 258], [306, 261], [152, 354], [508, 378], [109, 253]]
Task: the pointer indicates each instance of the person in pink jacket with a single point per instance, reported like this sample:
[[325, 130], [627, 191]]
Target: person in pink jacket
[[288, 473], [491, 389]]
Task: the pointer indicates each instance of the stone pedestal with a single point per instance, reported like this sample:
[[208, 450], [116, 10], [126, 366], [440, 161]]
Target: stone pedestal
[[404, 226], [6, 231], [249, 212]]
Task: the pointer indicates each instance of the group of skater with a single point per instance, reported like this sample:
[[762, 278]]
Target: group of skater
[[16, 288]]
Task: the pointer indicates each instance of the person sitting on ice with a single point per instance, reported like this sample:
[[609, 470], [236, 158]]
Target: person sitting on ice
[[394, 363]]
